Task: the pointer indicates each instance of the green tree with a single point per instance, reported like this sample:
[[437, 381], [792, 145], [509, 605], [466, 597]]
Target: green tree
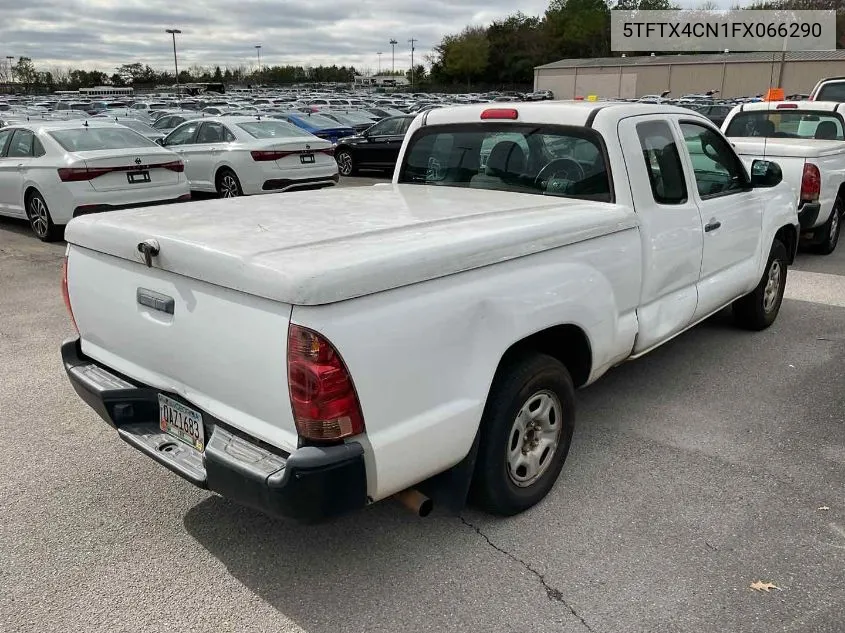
[[462, 57], [24, 71]]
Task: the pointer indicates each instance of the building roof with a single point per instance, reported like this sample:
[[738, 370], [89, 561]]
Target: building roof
[[710, 58]]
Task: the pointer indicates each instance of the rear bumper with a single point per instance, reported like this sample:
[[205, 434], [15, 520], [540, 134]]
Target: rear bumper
[[309, 484], [808, 213], [100, 208], [285, 184]]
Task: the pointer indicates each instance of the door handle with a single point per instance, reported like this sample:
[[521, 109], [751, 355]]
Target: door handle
[[712, 225], [20, 166]]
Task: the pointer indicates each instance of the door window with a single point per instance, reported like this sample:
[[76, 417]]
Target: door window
[[182, 135], [662, 162], [5, 135], [214, 133], [21, 145], [387, 127], [718, 171]]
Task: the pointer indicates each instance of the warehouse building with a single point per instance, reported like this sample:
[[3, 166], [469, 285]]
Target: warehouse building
[[732, 74]]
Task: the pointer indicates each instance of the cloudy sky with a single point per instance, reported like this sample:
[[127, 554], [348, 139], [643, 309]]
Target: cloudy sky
[[103, 34]]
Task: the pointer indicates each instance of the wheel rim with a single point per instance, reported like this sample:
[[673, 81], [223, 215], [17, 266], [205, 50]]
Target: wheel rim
[[344, 161], [38, 216], [229, 186], [833, 236], [534, 438], [770, 295]]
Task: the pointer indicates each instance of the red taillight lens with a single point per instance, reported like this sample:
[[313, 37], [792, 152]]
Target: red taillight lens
[[322, 395], [811, 183], [500, 113], [66, 295], [265, 155], [177, 165], [78, 174]]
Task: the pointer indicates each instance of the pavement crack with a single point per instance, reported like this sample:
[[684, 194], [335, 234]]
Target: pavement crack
[[553, 594]]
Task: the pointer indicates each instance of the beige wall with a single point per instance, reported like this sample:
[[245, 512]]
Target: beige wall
[[733, 79]]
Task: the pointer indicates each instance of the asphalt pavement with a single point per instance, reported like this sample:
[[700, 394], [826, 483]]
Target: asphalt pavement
[[716, 462]]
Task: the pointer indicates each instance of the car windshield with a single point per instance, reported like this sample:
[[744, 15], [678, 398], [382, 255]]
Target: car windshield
[[784, 123], [547, 160], [96, 138], [272, 129], [315, 120]]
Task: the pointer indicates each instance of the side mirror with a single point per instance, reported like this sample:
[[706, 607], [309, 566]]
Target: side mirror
[[765, 173], [160, 141]]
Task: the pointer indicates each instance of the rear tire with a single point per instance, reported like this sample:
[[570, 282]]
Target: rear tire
[[832, 229], [228, 185], [759, 309], [40, 219], [346, 164], [525, 434]]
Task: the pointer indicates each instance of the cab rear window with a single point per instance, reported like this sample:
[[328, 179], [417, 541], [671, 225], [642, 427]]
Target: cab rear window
[[540, 159], [817, 124]]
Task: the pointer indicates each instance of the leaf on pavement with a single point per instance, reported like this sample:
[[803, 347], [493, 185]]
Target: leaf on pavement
[[823, 509], [764, 586]]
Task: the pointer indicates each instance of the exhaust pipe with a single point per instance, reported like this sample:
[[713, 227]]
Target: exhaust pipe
[[415, 501]]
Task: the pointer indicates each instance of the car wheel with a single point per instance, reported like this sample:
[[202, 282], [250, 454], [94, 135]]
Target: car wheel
[[526, 430], [345, 164], [832, 229], [759, 309], [40, 219], [228, 185]]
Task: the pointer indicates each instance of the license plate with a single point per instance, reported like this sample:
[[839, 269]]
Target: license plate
[[183, 423], [306, 158], [138, 176]]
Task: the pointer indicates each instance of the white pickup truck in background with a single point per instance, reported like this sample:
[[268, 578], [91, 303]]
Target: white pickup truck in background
[[309, 354], [807, 140]]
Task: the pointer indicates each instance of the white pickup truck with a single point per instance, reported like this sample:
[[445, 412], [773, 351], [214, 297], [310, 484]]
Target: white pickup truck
[[311, 353], [807, 140]]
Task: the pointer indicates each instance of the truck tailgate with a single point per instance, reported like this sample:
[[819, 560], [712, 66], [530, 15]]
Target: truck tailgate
[[220, 349]]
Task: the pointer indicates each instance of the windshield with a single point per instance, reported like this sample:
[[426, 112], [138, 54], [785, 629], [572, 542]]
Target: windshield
[[315, 120], [820, 124], [547, 160], [94, 138], [273, 129]]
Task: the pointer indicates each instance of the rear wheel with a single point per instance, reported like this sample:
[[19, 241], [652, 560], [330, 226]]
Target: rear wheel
[[526, 430], [228, 185], [345, 164], [759, 309], [40, 219], [832, 229]]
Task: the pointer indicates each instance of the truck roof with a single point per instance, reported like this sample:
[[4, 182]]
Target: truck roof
[[830, 106]]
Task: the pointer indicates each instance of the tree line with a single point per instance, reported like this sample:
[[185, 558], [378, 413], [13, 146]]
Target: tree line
[[507, 51]]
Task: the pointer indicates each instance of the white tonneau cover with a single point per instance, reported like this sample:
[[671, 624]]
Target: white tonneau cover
[[317, 247], [797, 147]]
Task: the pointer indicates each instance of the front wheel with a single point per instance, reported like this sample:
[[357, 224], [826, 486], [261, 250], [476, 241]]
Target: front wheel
[[40, 219], [759, 309], [228, 185], [832, 229], [345, 164], [526, 430]]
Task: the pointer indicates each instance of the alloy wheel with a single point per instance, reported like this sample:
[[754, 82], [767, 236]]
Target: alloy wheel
[[39, 218]]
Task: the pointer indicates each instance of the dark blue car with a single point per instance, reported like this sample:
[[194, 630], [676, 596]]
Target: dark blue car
[[321, 126]]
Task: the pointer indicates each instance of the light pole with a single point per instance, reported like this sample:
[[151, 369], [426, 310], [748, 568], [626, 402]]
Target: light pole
[[413, 41], [174, 32], [379, 63], [393, 44], [258, 50]]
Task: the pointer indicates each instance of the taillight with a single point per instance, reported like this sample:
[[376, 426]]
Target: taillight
[[177, 165], [78, 174], [66, 295], [322, 395], [811, 183], [265, 155], [786, 106]]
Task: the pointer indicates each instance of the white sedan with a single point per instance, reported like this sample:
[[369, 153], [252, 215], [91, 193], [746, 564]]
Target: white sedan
[[245, 155], [52, 171]]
